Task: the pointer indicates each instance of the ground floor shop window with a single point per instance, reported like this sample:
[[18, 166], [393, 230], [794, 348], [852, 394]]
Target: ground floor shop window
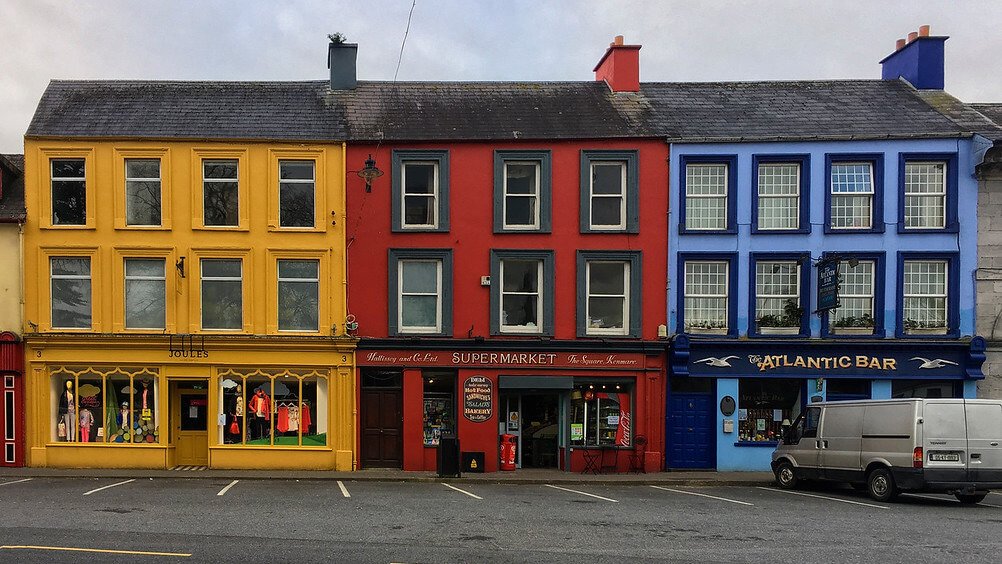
[[439, 406], [846, 389], [601, 413], [766, 405], [927, 389], [273, 407], [115, 405]]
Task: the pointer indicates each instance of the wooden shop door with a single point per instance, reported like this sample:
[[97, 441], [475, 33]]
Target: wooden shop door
[[382, 428], [190, 423]]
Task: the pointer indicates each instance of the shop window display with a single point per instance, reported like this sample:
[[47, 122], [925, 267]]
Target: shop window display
[[273, 408], [765, 406], [111, 405], [439, 407], [601, 414]]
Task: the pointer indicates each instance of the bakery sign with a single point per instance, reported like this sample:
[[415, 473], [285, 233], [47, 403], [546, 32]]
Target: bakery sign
[[478, 399]]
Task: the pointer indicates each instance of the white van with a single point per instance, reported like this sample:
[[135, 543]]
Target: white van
[[889, 446]]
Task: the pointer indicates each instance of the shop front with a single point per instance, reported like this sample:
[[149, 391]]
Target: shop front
[[598, 410], [729, 401], [189, 402], [12, 407]]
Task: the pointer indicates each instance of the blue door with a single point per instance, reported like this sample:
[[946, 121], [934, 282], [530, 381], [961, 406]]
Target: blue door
[[691, 440]]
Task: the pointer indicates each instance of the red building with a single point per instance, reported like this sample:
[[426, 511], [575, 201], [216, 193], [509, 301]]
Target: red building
[[12, 215], [507, 271]]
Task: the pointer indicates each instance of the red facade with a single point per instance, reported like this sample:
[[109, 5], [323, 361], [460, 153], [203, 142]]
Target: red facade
[[549, 378], [12, 401]]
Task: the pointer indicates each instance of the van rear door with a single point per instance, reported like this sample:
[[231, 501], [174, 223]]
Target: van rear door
[[984, 433], [944, 433]]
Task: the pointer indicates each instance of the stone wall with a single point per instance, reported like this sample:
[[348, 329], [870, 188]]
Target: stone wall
[[989, 274]]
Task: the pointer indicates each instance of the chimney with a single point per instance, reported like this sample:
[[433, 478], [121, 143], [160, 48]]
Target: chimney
[[341, 61], [620, 67], [919, 60]]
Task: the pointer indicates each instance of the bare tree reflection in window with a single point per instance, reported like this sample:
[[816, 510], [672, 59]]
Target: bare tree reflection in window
[[220, 193]]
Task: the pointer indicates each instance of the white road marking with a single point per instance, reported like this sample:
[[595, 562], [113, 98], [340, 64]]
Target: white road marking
[[461, 491], [704, 495], [15, 482], [97, 550], [109, 486], [344, 490], [946, 499], [824, 497], [227, 488], [582, 493]]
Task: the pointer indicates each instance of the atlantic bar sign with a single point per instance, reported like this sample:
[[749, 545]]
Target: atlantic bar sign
[[773, 361], [514, 359]]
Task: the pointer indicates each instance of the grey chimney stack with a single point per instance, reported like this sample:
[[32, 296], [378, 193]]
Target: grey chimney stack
[[341, 60]]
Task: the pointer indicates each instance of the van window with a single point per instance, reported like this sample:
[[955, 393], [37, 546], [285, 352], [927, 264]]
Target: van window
[[984, 421], [811, 420], [944, 421]]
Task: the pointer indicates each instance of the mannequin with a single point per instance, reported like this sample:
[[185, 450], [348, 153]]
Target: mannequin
[[145, 400], [86, 422], [259, 411], [68, 412]]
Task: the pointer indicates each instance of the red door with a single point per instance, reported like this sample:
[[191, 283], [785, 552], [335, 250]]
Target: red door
[[11, 401], [382, 428]]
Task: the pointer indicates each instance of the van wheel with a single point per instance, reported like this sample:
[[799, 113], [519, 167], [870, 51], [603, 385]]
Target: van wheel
[[785, 477], [880, 485], [971, 499]]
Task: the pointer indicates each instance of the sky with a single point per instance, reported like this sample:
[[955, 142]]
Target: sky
[[691, 40]]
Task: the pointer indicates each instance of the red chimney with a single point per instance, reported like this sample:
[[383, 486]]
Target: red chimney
[[620, 67]]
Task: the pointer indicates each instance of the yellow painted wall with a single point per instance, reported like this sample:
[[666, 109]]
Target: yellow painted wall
[[258, 241], [10, 278]]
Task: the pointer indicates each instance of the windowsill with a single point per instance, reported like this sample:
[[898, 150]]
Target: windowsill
[[142, 228], [293, 448], [756, 444], [697, 331], [220, 228], [778, 331], [57, 227], [110, 445], [278, 229]]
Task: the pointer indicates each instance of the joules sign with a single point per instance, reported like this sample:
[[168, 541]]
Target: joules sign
[[503, 359]]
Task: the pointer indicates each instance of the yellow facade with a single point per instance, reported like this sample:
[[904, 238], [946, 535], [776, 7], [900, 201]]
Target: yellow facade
[[171, 382], [10, 277]]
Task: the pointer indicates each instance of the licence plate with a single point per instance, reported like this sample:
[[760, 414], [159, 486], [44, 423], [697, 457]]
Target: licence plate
[[944, 457]]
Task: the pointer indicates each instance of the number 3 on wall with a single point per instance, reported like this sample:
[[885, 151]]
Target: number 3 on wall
[[344, 358]]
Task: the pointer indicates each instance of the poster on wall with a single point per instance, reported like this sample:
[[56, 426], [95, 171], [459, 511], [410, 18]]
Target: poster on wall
[[478, 399], [577, 431]]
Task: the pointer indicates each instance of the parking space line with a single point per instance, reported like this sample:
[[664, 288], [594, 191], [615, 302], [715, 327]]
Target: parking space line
[[344, 490], [15, 482], [703, 495], [227, 488], [580, 492], [946, 499], [461, 491], [98, 550], [824, 497], [109, 486]]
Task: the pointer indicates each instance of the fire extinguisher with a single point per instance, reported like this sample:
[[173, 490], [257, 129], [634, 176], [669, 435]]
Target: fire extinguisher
[[507, 452]]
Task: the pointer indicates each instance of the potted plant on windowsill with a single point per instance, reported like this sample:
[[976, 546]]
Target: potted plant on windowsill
[[914, 327], [787, 323], [704, 327], [853, 325]]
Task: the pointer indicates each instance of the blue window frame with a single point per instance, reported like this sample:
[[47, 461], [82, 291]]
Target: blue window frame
[[700, 287], [420, 191], [927, 189], [922, 290], [850, 323], [609, 293], [854, 193], [781, 194], [420, 292], [522, 191], [708, 187], [522, 292], [785, 283], [610, 192]]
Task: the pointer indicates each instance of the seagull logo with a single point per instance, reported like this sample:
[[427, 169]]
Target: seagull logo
[[934, 363], [717, 362]]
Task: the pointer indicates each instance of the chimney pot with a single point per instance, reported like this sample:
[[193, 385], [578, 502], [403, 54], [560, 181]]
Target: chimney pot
[[620, 66], [618, 40], [900, 43], [924, 30], [919, 59], [912, 36]]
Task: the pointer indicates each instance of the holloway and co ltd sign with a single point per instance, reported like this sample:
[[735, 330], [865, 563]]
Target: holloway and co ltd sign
[[478, 399], [514, 359]]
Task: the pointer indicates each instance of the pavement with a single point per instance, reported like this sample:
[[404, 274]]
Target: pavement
[[523, 476]]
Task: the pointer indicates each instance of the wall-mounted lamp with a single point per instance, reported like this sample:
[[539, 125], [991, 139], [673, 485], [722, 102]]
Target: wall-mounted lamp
[[369, 173], [180, 266]]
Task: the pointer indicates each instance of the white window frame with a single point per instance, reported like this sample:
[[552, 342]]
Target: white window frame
[[316, 281], [88, 277], [762, 198], [625, 296], [536, 197], [415, 329], [686, 315], [201, 290], [945, 296], [523, 329], [131, 179], [283, 182], [235, 181], [833, 194], [52, 181], [622, 196], [690, 196], [125, 299], [760, 296], [845, 268], [941, 195], [433, 196]]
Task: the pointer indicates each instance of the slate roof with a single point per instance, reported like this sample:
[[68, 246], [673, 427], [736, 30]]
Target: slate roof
[[455, 111], [187, 110], [966, 116], [12, 199], [992, 111]]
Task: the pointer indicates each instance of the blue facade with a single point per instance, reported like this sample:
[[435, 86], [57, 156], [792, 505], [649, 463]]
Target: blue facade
[[886, 242]]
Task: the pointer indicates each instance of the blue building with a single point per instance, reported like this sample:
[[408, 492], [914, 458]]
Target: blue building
[[780, 180]]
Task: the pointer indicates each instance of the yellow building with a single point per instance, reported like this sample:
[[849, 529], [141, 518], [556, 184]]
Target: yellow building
[[185, 278]]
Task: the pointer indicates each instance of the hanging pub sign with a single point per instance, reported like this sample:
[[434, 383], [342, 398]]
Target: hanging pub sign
[[478, 399], [827, 285]]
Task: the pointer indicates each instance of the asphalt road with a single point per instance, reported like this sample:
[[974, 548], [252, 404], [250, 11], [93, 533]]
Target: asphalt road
[[318, 521]]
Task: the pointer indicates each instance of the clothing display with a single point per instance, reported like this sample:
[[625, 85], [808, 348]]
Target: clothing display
[[304, 418], [68, 412], [86, 422], [259, 411]]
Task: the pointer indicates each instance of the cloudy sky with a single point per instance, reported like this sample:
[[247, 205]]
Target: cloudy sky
[[691, 40]]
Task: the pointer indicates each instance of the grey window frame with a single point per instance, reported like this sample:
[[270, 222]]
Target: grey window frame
[[134, 278], [201, 292], [129, 183], [546, 286], [278, 295], [393, 294], [53, 179], [545, 187], [631, 219], [403, 156], [235, 181], [635, 288], [289, 182], [89, 278]]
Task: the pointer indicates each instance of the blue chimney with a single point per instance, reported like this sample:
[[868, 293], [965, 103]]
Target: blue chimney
[[919, 60]]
